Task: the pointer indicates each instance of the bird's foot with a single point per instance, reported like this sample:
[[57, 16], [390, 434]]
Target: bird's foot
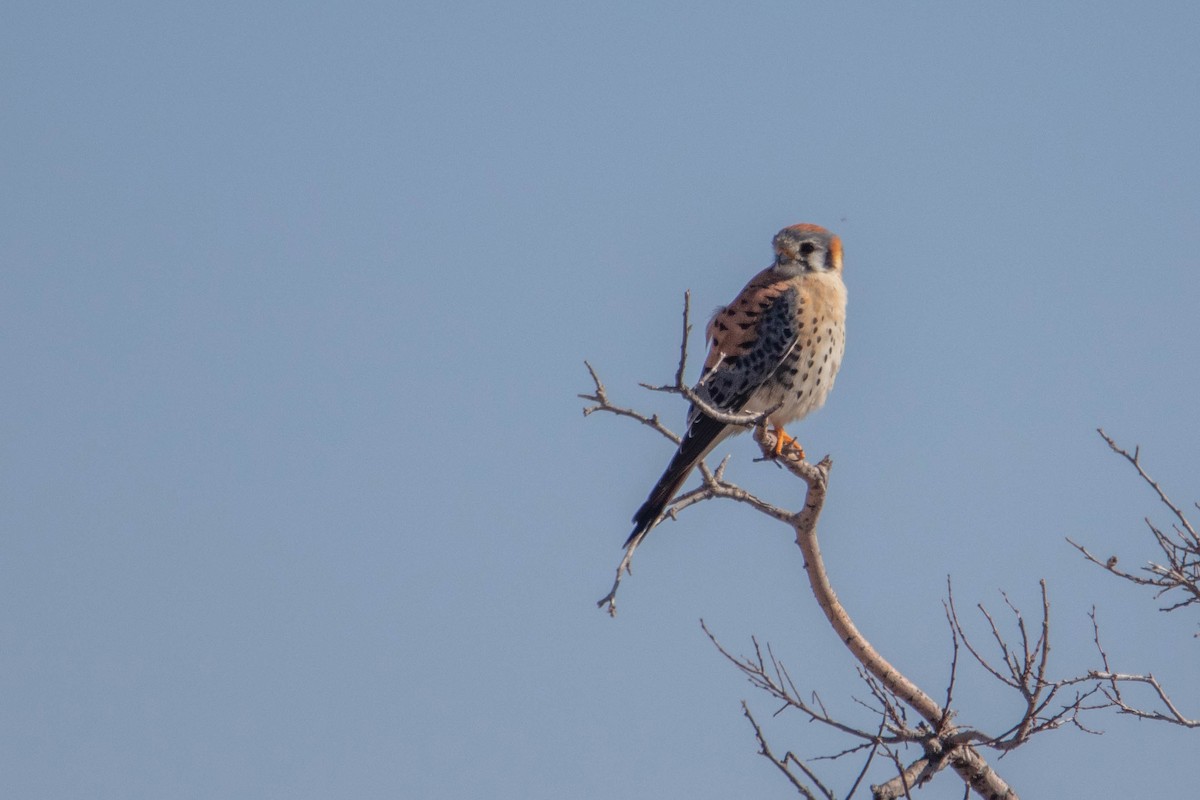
[[784, 441]]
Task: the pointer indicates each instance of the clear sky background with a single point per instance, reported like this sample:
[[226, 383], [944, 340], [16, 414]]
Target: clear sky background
[[297, 499]]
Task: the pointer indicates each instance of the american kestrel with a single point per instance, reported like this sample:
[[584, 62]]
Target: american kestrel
[[778, 346]]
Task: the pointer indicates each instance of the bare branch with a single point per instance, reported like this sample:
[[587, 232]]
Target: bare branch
[[970, 766], [952, 621], [891, 689], [773, 680], [1112, 688], [1027, 667], [1180, 572], [683, 341], [1023, 662], [862, 773], [600, 398], [915, 774], [1136, 462], [782, 763], [1110, 564], [1173, 714], [804, 523]]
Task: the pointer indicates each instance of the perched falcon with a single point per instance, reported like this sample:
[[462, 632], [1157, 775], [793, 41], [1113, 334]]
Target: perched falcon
[[778, 345]]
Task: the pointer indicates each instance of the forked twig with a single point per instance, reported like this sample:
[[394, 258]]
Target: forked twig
[[1179, 574]]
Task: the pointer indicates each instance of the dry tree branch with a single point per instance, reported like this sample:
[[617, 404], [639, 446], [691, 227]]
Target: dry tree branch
[[954, 639], [862, 773], [960, 756], [782, 763], [769, 675], [600, 397], [1135, 460], [885, 680], [1023, 663], [1026, 671], [1180, 574], [1111, 682], [915, 774]]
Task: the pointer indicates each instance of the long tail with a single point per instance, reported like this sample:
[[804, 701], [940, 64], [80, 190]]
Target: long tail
[[703, 435]]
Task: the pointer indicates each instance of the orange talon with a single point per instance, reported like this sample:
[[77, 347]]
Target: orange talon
[[782, 440]]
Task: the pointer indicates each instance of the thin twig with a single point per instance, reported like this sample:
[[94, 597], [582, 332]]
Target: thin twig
[[782, 764]]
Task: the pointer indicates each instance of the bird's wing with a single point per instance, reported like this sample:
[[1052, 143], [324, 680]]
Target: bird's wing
[[749, 339]]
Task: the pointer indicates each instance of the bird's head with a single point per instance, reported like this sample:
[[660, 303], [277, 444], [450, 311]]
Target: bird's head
[[806, 248]]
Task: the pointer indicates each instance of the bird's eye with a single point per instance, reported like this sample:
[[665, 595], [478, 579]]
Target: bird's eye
[[806, 248]]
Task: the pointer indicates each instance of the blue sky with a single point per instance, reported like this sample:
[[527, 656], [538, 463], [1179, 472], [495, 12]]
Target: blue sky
[[297, 497]]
